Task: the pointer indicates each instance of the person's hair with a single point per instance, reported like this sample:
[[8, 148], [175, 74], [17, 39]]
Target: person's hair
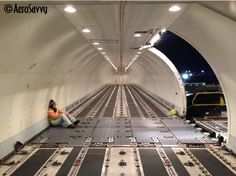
[[51, 103]]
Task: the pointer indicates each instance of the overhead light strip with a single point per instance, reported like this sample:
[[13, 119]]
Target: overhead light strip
[[155, 37]]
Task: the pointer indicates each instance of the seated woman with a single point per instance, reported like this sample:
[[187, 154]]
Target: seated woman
[[58, 117]]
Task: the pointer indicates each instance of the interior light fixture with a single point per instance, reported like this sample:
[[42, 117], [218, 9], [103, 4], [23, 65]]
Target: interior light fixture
[[154, 39], [139, 52], [174, 8], [100, 48], [86, 30], [144, 47], [96, 43], [103, 52], [70, 9], [163, 30], [137, 35]]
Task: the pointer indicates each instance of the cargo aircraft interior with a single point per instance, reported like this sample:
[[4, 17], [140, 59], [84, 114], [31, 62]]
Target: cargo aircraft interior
[[98, 61]]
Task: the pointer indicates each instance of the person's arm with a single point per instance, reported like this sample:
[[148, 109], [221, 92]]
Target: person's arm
[[53, 115], [62, 112]]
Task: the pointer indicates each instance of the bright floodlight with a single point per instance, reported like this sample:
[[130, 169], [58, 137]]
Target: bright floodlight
[[190, 74], [70, 9], [137, 35], [174, 8], [86, 30], [203, 71], [154, 39], [185, 76]]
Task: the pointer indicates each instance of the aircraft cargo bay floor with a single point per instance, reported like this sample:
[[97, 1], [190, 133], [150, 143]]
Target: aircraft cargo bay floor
[[121, 119], [123, 131]]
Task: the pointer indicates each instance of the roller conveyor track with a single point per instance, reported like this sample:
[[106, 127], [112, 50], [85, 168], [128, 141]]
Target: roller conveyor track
[[117, 132], [95, 156], [168, 131], [151, 105], [211, 163], [132, 107], [34, 163], [110, 107], [179, 129], [152, 163], [65, 168], [72, 110], [85, 111], [180, 169], [139, 103], [162, 104]]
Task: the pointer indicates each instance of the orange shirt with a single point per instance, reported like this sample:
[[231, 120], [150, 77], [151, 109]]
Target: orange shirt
[[54, 115]]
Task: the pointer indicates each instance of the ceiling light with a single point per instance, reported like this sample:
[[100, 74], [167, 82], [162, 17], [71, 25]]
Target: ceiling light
[[174, 8], [137, 35], [86, 30], [154, 39], [136, 56], [96, 43], [70, 9], [103, 52], [100, 48], [139, 52]]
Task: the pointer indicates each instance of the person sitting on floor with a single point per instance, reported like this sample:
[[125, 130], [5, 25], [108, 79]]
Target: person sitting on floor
[[58, 117]]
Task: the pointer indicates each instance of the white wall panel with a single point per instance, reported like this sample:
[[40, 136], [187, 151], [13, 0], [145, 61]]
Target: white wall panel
[[42, 57], [213, 35]]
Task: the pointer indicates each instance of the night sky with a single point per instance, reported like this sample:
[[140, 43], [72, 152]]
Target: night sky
[[185, 57]]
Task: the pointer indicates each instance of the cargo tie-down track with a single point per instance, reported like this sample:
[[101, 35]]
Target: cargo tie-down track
[[123, 130]]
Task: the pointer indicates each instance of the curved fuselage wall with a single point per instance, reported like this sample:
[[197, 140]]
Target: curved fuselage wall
[[154, 75], [213, 35], [42, 58]]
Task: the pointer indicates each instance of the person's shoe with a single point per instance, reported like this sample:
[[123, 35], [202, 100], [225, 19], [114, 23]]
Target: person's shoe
[[76, 122], [71, 126]]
